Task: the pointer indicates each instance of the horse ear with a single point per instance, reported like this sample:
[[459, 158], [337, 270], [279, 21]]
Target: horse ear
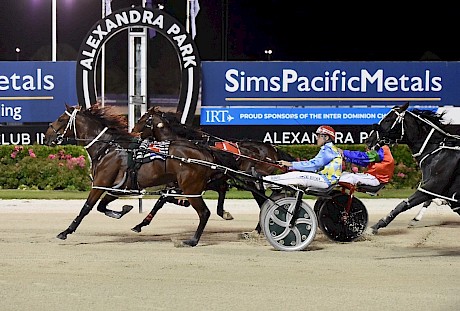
[[404, 107], [68, 107]]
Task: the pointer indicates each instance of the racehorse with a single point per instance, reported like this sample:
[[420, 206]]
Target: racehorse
[[435, 150], [107, 142], [254, 157], [165, 134]]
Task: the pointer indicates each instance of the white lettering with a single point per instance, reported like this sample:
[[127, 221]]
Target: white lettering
[[290, 79]]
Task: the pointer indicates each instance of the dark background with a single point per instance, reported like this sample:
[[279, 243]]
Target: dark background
[[243, 30]]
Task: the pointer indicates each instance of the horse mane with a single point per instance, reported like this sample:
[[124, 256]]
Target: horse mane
[[109, 118], [432, 116]]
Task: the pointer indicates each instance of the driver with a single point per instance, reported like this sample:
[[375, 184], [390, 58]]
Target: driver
[[322, 171], [379, 165]]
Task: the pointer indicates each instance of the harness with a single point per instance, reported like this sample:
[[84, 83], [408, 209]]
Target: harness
[[442, 146]]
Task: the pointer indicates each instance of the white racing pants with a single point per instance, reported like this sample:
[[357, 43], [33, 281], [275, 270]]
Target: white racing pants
[[306, 179], [361, 178]]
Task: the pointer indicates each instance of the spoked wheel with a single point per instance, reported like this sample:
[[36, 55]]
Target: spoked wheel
[[339, 225], [275, 221]]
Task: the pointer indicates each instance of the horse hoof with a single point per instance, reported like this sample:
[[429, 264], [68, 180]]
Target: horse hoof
[[126, 209], [113, 214], [227, 216], [136, 229], [62, 236], [187, 243], [371, 231], [254, 234], [439, 202], [413, 222]]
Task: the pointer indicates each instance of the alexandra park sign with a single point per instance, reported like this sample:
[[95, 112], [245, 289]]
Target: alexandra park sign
[[164, 24]]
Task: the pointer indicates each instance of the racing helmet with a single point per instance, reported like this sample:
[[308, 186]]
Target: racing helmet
[[326, 130]]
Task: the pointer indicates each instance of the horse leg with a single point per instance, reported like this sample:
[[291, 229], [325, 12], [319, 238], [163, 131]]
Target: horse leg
[[94, 195], [414, 200], [102, 207], [221, 187], [220, 204], [148, 219], [203, 213], [420, 214]]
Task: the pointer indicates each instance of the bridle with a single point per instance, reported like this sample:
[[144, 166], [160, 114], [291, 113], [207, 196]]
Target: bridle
[[400, 118], [70, 125]]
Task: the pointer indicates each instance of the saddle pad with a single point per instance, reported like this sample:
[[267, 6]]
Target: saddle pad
[[149, 151], [159, 147], [228, 146]]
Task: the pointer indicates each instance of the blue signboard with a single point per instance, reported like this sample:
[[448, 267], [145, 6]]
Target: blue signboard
[[330, 83], [36, 91], [291, 116]]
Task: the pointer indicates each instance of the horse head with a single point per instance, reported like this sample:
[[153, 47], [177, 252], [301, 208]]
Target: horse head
[[159, 125], [88, 126], [153, 125], [63, 127], [390, 129]]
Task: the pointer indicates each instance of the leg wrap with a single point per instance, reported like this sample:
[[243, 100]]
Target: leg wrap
[[102, 207], [84, 211], [180, 202], [401, 207]]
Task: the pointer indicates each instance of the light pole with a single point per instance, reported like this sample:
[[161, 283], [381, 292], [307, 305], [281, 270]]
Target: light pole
[[269, 53], [18, 50], [53, 31]]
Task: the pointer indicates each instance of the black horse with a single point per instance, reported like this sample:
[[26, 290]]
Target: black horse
[[252, 157], [108, 142], [436, 151]]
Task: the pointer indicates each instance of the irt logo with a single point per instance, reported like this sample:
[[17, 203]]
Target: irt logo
[[218, 116]]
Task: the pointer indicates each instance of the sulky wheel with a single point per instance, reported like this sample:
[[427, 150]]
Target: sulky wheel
[[339, 226], [318, 204], [275, 221], [263, 209]]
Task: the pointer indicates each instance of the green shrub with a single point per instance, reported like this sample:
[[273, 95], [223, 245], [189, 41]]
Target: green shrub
[[42, 167]]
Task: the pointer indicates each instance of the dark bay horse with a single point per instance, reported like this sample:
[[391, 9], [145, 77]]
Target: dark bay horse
[[253, 157], [436, 151], [107, 142]]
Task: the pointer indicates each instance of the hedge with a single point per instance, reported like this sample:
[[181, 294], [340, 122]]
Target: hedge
[[67, 167], [44, 168]]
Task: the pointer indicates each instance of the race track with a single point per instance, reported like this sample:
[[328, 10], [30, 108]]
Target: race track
[[106, 266]]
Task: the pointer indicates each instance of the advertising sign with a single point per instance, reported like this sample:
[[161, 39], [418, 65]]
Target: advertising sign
[[291, 116], [35, 91], [22, 135], [330, 83]]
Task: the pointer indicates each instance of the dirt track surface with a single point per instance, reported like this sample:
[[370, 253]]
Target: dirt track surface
[[106, 266]]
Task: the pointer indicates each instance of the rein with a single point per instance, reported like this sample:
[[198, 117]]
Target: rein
[[268, 161], [96, 138], [434, 127], [207, 137]]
